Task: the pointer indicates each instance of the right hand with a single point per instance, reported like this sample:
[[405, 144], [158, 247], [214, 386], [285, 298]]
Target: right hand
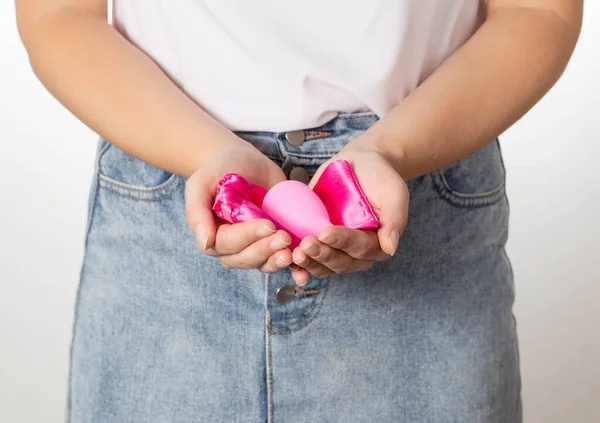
[[247, 245]]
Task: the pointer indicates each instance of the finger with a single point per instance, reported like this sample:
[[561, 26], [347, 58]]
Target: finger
[[392, 220], [313, 267], [257, 254], [336, 260], [198, 207], [361, 245], [300, 276], [278, 261], [232, 239]]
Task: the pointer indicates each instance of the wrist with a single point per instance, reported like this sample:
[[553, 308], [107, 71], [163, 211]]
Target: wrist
[[391, 151], [204, 153]]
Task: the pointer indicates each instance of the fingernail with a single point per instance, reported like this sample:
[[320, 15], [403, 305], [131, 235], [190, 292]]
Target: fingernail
[[331, 240], [304, 260], [201, 236], [278, 244], [312, 249], [281, 263], [265, 231], [301, 283], [393, 240]]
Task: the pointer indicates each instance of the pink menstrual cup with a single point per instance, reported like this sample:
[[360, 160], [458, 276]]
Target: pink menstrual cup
[[297, 209]]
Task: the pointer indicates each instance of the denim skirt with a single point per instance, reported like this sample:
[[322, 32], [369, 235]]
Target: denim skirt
[[163, 333]]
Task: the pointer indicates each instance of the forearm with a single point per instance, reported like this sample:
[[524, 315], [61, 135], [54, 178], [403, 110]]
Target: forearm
[[487, 85], [120, 92]]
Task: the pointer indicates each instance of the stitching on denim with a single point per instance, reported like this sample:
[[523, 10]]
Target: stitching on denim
[[92, 212], [473, 195], [303, 293], [134, 188], [312, 135], [170, 181], [315, 314], [269, 358], [306, 323], [323, 155], [306, 313], [101, 153], [466, 200], [169, 194], [359, 115], [306, 293]]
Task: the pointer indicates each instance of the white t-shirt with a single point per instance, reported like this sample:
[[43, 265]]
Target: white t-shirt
[[281, 65]]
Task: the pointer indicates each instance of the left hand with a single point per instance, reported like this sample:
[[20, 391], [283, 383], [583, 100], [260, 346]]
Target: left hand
[[338, 249]]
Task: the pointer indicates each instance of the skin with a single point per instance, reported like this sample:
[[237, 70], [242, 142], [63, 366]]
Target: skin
[[484, 87]]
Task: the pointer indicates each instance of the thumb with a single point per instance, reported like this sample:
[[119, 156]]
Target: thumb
[[199, 195], [392, 219]]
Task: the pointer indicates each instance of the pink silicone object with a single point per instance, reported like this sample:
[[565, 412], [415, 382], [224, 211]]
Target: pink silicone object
[[296, 208], [337, 192]]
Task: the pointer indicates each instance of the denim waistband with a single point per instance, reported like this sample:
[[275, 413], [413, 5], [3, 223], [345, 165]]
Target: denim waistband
[[320, 142]]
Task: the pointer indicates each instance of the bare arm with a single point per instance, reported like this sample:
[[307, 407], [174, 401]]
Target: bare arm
[[120, 93], [495, 78], [114, 88], [483, 88]]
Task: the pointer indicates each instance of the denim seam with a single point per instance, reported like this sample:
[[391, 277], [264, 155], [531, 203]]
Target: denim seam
[[320, 155], [313, 135], [279, 141], [363, 115], [269, 357], [92, 210], [168, 194], [306, 313], [466, 200], [107, 181], [137, 188], [103, 150], [484, 194], [314, 315]]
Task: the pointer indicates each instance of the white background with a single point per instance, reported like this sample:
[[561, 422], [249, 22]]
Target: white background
[[552, 155]]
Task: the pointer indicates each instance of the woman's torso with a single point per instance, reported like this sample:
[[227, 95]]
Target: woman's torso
[[278, 66]]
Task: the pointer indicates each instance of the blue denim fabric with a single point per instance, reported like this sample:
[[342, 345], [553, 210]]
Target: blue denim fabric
[[165, 334]]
